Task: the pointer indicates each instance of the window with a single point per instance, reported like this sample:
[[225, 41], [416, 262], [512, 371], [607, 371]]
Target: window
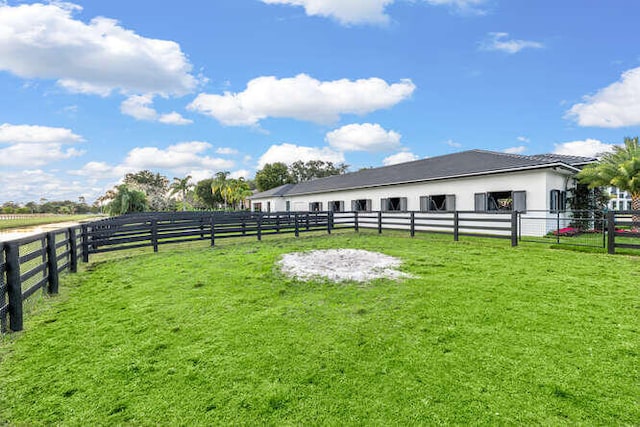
[[268, 206], [288, 206], [442, 203], [558, 201], [614, 205], [501, 201], [394, 204], [315, 206], [361, 205], [257, 207], [336, 206]]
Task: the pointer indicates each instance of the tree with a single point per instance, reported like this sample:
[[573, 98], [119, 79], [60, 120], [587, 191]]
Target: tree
[[181, 185], [154, 186], [619, 168], [205, 196], [272, 175], [127, 200], [238, 190], [220, 185], [301, 171]]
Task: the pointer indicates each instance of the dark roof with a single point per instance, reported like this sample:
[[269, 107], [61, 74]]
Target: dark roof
[[465, 163]]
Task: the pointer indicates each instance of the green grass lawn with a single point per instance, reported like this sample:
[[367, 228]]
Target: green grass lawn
[[8, 224], [485, 334]]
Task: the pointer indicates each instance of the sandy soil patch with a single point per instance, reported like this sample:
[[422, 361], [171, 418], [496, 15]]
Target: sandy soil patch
[[340, 265]]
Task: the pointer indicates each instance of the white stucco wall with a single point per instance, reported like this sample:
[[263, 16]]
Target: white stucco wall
[[536, 183]]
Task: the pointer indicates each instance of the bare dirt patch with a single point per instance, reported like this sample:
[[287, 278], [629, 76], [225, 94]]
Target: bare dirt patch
[[340, 265]]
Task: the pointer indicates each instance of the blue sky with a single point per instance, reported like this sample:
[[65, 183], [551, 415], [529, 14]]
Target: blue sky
[[93, 90]]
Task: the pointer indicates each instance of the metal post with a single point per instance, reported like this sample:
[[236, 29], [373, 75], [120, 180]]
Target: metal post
[[73, 251], [558, 227], [14, 290], [611, 232], [52, 264]]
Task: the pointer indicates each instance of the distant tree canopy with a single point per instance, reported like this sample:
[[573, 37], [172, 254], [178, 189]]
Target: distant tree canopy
[[127, 200], [154, 186], [301, 171], [52, 207], [273, 175]]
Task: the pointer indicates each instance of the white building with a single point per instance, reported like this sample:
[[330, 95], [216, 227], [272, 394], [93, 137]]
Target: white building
[[620, 200], [475, 180]]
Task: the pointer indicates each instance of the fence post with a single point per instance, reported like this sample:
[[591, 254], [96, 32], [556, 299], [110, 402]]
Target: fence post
[[52, 264], [154, 234], [14, 289], [73, 251], [329, 221], [85, 243], [306, 220], [355, 221], [413, 224], [379, 222], [611, 232], [259, 220], [213, 230], [297, 227], [277, 223], [456, 226], [514, 228], [244, 226], [558, 227]]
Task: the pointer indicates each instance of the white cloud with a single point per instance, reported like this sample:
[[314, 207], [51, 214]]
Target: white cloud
[[401, 157], [24, 154], [289, 153], [452, 143], [303, 98], [616, 105], [139, 107], [174, 118], [523, 139], [33, 134], [500, 42], [45, 41], [515, 150], [226, 151], [181, 158], [32, 184], [586, 148], [241, 173], [349, 12], [363, 137], [177, 158]]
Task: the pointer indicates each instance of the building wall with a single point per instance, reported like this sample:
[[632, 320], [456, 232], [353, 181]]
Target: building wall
[[537, 184], [620, 200]]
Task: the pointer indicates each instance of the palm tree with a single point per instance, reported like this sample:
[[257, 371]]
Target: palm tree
[[619, 168], [128, 200], [181, 185], [238, 191], [221, 185]]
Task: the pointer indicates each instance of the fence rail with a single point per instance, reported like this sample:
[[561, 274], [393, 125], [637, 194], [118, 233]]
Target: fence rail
[[33, 264]]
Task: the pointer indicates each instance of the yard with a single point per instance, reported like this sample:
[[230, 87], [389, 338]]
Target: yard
[[484, 334]]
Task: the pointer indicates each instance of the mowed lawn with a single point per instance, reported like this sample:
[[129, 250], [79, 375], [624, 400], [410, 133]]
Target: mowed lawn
[[484, 334]]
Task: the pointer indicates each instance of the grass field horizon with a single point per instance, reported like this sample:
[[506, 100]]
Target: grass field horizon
[[484, 334]]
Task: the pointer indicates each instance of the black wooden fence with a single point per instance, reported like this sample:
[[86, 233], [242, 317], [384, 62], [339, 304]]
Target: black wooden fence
[[31, 264], [153, 230]]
